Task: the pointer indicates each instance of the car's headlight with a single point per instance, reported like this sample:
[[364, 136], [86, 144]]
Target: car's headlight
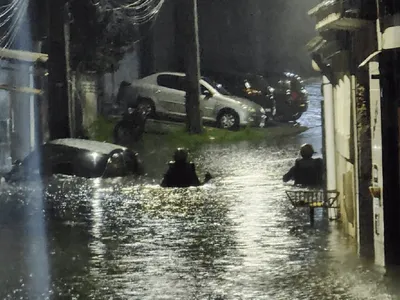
[[262, 110]]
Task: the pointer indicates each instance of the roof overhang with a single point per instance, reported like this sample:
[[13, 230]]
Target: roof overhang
[[23, 89], [391, 38], [322, 5], [369, 58], [23, 56], [336, 21], [326, 49]]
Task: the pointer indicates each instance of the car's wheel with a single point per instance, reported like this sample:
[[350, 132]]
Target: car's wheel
[[297, 116], [288, 118], [228, 119], [146, 107]]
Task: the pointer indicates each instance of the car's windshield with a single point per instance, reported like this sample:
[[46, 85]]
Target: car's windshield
[[217, 86]]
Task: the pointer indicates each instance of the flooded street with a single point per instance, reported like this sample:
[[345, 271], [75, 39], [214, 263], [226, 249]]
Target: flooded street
[[235, 238]]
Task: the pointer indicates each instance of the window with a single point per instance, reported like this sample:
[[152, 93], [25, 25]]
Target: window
[[171, 81], [216, 86], [65, 168], [204, 90], [115, 165]]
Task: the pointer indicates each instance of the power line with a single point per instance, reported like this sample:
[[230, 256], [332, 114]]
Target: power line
[[16, 12], [139, 11]]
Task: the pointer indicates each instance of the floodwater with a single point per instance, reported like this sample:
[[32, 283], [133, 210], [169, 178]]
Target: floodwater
[[235, 238]]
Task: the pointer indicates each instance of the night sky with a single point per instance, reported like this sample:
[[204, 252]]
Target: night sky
[[256, 35]]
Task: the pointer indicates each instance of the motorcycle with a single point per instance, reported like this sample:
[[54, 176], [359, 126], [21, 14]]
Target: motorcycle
[[131, 128]]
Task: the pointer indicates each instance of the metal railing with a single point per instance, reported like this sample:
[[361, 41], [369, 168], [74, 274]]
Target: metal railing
[[315, 198]]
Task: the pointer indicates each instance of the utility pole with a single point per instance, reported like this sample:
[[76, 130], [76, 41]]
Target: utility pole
[[188, 27], [57, 81], [71, 98]]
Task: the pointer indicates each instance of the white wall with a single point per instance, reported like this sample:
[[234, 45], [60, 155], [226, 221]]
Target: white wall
[[5, 122], [345, 170], [128, 71]]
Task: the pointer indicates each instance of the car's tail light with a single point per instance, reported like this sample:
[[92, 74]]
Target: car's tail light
[[295, 96]]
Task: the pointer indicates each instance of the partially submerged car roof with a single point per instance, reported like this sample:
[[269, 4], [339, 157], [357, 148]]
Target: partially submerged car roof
[[93, 146]]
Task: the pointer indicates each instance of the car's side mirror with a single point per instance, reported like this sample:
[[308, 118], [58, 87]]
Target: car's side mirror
[[206, 93]]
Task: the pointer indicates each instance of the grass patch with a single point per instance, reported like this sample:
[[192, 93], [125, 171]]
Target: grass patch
[[215, 135], [102, 130]]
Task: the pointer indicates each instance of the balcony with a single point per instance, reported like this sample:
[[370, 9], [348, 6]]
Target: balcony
[[325, 47], [344, 14]]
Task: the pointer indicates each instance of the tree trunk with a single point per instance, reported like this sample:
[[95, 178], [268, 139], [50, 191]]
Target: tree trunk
[[57, 81], [71, 99], [189, 29]]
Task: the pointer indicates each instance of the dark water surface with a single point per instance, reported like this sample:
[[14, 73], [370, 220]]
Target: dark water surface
[[235, 238]]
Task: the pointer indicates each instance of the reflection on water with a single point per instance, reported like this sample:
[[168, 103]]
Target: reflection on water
[[235, 238]]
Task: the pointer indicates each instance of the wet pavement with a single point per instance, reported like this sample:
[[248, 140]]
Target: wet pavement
[[235, 238]]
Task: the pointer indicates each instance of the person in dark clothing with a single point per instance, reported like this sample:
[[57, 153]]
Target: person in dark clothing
[[182, 173], [130, 128], [307, 171]]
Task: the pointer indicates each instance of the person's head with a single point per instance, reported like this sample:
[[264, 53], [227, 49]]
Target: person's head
[[180, 155], [307, 151]]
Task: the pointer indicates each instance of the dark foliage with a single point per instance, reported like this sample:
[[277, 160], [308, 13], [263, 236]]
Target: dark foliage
[[99, 39]]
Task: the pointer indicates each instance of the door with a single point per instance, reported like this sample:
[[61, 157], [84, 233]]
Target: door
[[377, 176], [171, 94], [207, 102]]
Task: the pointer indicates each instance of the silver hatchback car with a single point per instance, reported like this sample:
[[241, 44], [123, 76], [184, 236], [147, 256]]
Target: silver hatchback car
[[163, 94]]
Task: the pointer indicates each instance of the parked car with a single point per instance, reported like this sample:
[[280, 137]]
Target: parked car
[[163, 95], [283, 95], [76, 157], [249, 86], [290, 95]]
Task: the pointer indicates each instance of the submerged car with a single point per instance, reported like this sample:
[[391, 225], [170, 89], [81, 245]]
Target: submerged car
[[163, 95], [77, 157], [249, 86]]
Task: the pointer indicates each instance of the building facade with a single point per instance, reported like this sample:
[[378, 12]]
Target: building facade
[[356, 52]]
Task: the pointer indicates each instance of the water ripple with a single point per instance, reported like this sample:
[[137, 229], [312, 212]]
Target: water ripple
[[235, 238]]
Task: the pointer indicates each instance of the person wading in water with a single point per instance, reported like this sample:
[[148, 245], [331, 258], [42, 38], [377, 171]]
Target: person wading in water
[[181, 172], [307, 171]]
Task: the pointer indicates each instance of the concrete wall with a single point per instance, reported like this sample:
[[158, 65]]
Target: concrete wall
[[346, 169], [22, 112], [5, 126], [87, 91], [128, 71]]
